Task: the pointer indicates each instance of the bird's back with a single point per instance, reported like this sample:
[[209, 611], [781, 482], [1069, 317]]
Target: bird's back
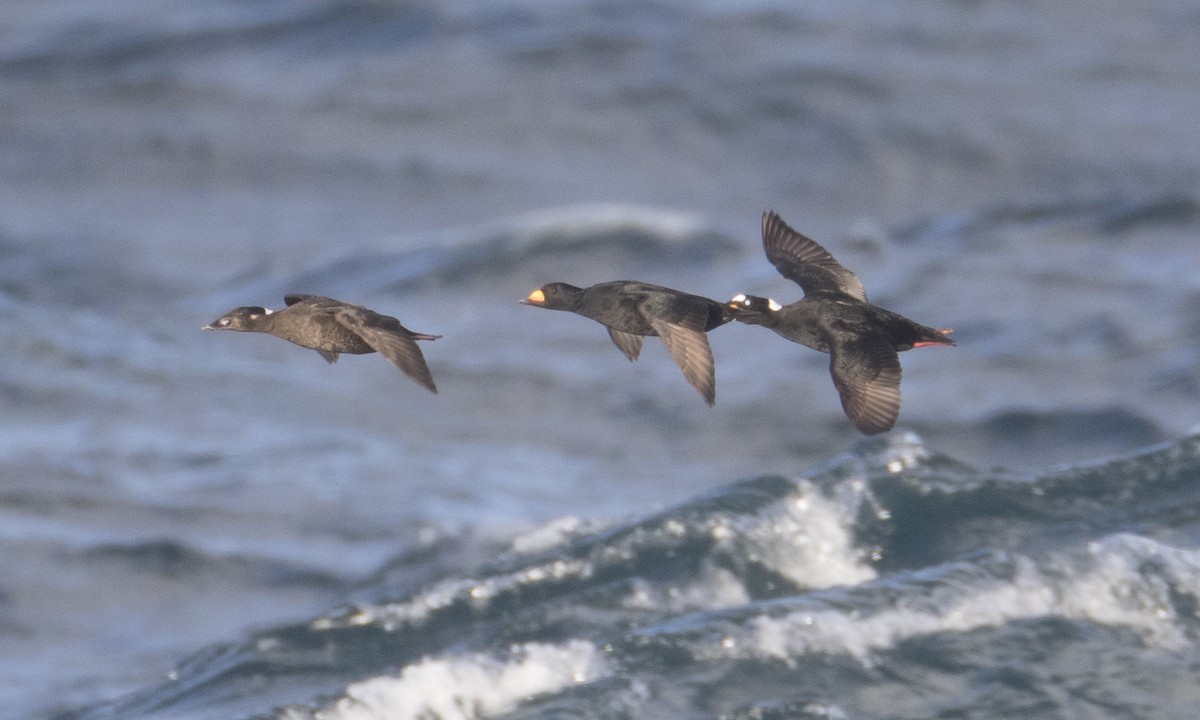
[[317, 327], [627, 305]]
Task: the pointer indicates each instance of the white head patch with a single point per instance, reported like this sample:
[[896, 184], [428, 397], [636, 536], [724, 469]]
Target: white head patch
[[774, 306], [739, 298]]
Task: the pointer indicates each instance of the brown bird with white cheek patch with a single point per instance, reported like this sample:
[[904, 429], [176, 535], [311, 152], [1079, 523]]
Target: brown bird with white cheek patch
[[631, 310], [331, 327], [834, 317]]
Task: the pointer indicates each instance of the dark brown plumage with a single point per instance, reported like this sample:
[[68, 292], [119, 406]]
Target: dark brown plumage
[[834, 317], [631, 310], [332, 327]]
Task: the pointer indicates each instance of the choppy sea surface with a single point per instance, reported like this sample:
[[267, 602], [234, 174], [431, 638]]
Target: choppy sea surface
[[210, 525]]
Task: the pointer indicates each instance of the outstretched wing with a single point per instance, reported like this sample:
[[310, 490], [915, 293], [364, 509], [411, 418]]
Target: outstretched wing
[[866, 372], [680, 321], [803, 261], [683, 335], [387, 337]]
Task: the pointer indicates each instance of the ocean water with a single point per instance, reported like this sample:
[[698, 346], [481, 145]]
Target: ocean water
[[209, 525]]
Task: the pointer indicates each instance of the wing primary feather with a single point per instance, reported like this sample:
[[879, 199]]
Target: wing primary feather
[[803, 261], [688, 346]]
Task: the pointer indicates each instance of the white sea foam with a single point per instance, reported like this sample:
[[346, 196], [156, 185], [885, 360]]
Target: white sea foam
[[808, 539], [552, 534], [470, 686], [712, 588], [904, 450], [1110, 586], [478, 592]]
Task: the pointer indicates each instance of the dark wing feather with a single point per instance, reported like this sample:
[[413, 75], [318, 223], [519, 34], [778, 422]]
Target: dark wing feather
[[390, 339], [866, 372], [803, 261], [688, 345], [629, 343]]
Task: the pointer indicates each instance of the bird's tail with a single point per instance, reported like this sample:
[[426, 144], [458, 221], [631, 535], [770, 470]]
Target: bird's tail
[[934, 337]]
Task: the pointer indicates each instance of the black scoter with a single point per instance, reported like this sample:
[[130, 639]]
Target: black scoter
[[331, 327], [631, 310], [834, 317]]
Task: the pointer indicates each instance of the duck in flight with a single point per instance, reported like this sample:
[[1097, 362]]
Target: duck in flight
[[632, 310], [332, 327], [834, 317]]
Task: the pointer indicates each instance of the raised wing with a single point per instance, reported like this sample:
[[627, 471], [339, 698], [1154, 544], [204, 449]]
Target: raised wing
[[803, 261]]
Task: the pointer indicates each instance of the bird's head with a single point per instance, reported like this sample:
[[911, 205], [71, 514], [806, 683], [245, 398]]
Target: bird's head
[[245, 319], [752, 309], [555, 296]]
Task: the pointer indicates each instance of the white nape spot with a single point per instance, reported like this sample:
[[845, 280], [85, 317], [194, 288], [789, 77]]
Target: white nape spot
[[267, 311], [739, 298], [771, 304]]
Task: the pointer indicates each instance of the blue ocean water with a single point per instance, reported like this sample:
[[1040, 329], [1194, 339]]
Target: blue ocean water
[[202, 525]]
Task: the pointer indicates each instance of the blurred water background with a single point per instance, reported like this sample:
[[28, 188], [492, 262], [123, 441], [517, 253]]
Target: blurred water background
[[200, 525]]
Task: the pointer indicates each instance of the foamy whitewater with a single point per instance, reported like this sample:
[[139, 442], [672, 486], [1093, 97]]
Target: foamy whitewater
[[215, 525], [809, 596]]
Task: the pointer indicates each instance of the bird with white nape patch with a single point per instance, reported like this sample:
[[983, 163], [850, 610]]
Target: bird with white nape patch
[[834, 317]]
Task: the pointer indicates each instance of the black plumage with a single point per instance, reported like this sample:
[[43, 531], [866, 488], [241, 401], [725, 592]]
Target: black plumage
[[632, 310], [835, 317]]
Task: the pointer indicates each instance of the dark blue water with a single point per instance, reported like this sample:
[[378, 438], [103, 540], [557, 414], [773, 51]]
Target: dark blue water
[[889, 583], [203, 525]]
